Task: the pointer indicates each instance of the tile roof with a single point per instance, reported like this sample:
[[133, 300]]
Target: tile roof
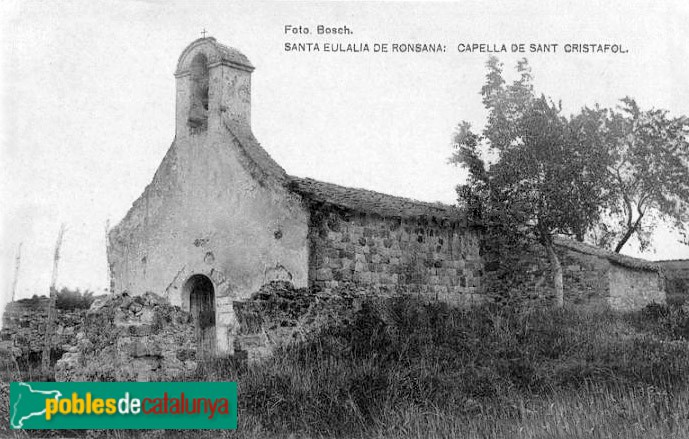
[[263, 167], [363, 200], [626, 261]]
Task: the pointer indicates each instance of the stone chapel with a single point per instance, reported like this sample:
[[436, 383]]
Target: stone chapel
[[221, 218]]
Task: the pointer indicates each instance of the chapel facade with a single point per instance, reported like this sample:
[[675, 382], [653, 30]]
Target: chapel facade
[[221, 218]]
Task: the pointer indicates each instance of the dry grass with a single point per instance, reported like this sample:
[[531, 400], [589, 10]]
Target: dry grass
[[419, 370]]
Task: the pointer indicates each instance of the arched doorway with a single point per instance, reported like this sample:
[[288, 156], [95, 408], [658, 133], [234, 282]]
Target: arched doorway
[[202, 308]]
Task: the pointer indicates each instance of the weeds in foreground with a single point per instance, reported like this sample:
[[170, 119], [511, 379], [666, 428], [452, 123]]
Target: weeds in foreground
[[426, 370], [485, 365]]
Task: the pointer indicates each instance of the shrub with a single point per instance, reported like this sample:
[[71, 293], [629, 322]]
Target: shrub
[[668, 321], [67, 299], [405, 353], [404, 368]]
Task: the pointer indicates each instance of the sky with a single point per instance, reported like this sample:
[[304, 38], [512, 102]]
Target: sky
[[88, 100]]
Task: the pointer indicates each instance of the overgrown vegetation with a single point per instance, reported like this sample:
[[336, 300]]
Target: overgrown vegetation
[[533, 172], [418, 370], [65, 299], [409, 369], [601, 175], [73, 299], [677, 291]]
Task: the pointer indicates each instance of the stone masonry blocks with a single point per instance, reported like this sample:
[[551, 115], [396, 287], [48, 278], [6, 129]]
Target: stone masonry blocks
[[415, 254]]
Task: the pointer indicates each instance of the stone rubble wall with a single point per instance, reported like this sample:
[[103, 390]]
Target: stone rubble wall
[[125, 338], [436, 260], [120, 338], [23, 328], [279, 315], [590, 280], [585, 278]]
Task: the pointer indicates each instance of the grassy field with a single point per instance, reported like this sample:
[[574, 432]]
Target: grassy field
[[418, 370]]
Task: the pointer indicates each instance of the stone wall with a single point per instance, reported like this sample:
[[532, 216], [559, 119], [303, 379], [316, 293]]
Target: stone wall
[[205, 214], [585, 278], [126, 338], [23, 329], [217, 205], [632, 289], [628, 283], [438, 260], [523, 275], [676, 274], [279, 315], [120, 338], [592, 277]]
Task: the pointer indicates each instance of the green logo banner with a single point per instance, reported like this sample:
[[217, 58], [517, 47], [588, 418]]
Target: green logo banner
[[83, 405]]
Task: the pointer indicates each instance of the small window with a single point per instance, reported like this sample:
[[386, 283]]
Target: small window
[[198, 108]]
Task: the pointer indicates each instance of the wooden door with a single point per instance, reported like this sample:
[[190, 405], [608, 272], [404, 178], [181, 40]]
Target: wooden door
[[202, 308]]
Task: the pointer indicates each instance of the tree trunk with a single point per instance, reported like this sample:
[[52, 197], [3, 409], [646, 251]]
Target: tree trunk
[[628, 234], [631, 229], [556, 268], [623, 241]]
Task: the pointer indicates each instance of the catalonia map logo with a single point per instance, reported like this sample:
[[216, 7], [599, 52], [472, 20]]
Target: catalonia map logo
[[123, 405]]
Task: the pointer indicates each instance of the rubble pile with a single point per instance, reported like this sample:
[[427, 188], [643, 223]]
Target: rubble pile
[[124, 338]]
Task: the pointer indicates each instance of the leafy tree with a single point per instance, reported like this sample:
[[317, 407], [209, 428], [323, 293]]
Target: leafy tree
[[532, 171], [648, 174]]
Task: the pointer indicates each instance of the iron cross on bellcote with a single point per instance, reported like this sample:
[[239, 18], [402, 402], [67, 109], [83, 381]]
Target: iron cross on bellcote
[[203, 33]]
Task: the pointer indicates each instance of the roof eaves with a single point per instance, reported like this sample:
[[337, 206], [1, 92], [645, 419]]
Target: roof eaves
[[368, 201]]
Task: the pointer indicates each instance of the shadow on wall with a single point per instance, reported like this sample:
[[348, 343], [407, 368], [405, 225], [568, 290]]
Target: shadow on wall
[[676, 274], [677, 291]]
